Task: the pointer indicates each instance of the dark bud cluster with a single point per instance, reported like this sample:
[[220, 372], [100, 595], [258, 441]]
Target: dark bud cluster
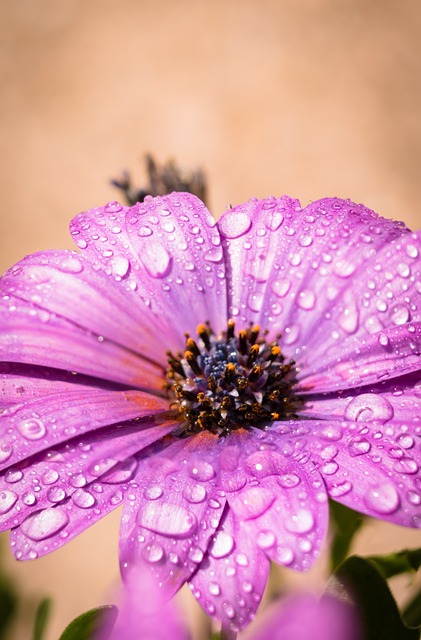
[[232, 381]]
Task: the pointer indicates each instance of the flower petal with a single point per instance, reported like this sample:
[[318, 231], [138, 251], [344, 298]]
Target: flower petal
[[60, 495], [34, 336], [286, 264], [397, 398], [47, 422], [171, 250], [66, 284], [285, 514], [230, 582], [168, 522], [70, 468], [370, 467]]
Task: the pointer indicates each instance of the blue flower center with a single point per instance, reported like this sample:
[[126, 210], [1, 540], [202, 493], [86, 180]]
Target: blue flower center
[[228, 382]]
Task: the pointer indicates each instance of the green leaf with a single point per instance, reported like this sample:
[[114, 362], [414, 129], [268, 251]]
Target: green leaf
[[344, 523], [89, 623], [394, 564], [359, 582], [41, 618]]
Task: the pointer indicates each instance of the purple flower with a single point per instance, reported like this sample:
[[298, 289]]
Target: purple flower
[[299, 379]]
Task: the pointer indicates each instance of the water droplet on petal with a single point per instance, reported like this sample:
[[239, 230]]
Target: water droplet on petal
[[195, 493], [56, 494], [288, 480], [359, 446], [306, 299], [252, 502], [153, 553], [281, 287], [222, 545], [285, 555], [300, 522], [369, 407], [156, 259], [202, 471], [7, 500], [120, 266], [412, 251], [44, 524], [214, 255], [71, 264], [214, 588], [405, 441], [32, 429], [195, 555], [83, 499], [382, 498], [13, 475], [50, 477], [6, 451], [273, 220], [406, 465], [167, 518], [153, 493], [399, 314], [265, 539], [234, 224]]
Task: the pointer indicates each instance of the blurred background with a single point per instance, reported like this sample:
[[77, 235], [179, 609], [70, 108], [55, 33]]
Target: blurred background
[[306, 97]]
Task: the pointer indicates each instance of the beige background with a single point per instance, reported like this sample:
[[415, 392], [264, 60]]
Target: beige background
[[306, 97]]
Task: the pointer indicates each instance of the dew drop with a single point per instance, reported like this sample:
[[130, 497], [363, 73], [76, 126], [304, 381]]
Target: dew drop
[[153, 553], [255, 300], [306, 299], [214, 255], [281, 287], [228, 609], [13, 475], [222, 545], [273, 220], [288, 480], [50, 477], [6, 451], [120, 266], [29, 499], [341, 489], [412, 251], [144, 232], [7, 500], [214, 588], [83, 499], [405, 465], [405, 441], [195, 555], [382, 498], [399, 314], [359, 446], [194, 493], [202, 471], [153, 493], [156, 259], [369, 407], [285, 555], [56, 494], [234, 224], [329, 468], [78, 480], [167, 518], [71, 265], [300, 522], [44, 524], [253, 502], [32, 429]]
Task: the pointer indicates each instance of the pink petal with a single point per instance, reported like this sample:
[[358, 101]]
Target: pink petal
[[230, 582], [47, 422], [34, 336], [397, 399], [303, 616], [283, 506], [66, 284], [368, 466], [69, 469], [172, 250], [286, 263], [168, 521], [144, 613]]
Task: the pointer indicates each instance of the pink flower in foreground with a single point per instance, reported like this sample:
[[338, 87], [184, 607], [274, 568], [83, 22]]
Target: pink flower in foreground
[[145, 615], [225, 451]]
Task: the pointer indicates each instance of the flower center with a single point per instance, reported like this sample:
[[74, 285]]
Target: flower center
[[227, 382]]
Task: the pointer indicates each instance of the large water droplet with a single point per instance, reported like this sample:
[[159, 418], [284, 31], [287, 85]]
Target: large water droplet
[[83, 499], [7, 500], [214, 588], [222, 544], [44, 524], [156, 259], [50, 477], [252, 502], [6, 451], [194, 493], [167, 518], [154, 552], [300, 522], [234, 224], [382, 498], [369, 407], [32, 429], [120, 266], [214, 255], [281, 287], [399, 314], [202, 471], [265, 539], [153, 493], [122, 472], [306, 299], [359, 446], [56, 494], [71, 264]]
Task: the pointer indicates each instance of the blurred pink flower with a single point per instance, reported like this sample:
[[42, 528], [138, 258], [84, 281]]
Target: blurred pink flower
[[225, 451]]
